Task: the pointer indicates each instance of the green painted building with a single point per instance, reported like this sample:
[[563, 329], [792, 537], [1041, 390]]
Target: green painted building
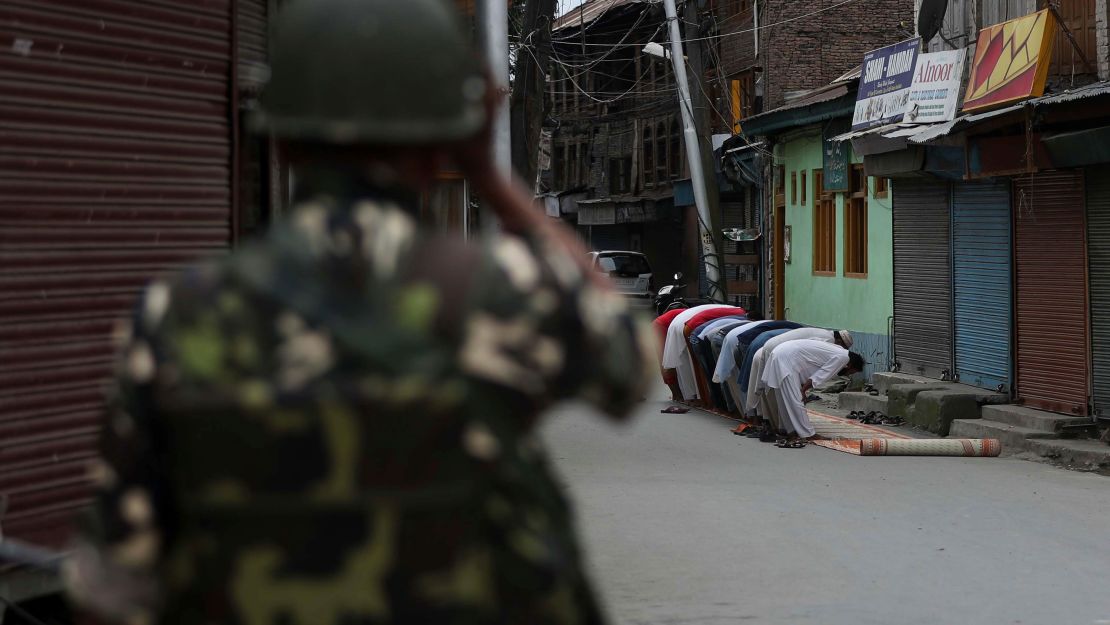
[[829, 225], [838, 272]]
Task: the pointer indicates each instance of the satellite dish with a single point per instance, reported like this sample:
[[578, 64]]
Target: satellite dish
[[930, 17]]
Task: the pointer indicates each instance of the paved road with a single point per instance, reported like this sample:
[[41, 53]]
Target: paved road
[[688, 524]]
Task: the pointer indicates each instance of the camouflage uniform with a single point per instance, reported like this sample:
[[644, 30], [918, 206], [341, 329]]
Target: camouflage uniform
[[336, 425]]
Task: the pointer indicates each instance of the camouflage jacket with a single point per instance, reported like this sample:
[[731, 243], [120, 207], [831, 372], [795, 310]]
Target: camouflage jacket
[[335, 425]]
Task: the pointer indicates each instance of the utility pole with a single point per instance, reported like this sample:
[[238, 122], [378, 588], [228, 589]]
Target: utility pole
[[694, 156], [494, 25], [700, 105]]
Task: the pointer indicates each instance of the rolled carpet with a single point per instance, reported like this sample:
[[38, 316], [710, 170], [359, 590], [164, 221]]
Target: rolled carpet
[[985, 447]]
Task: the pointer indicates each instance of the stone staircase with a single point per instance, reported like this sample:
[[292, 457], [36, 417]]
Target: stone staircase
[[1045, 434], [961, 411], [923, 402]]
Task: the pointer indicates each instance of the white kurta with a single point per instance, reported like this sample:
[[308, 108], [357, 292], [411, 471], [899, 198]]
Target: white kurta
[[755, 379], [795, 363], [676, 353]]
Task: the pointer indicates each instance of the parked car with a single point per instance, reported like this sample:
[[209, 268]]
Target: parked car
[[630, 273]]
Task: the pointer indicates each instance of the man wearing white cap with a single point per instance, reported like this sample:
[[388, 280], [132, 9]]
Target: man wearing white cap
[[842, 338], [793, 369]]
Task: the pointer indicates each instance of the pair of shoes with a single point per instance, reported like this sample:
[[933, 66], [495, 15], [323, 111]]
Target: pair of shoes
[[675, 410], [812, 397], [872, 418], [791, 443], [856, 414], [873, 393]]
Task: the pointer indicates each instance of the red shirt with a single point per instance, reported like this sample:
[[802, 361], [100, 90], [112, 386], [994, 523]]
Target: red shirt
[[712, 314], [662, 322]]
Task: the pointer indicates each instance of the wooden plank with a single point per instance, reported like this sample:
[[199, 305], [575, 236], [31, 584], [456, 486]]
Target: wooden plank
[[741, 259], [739, 287]]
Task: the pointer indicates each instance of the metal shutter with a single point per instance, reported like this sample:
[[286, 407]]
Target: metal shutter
[[1051, 263], [922, 277], [982, 286], [115, 160], [1098, 248]]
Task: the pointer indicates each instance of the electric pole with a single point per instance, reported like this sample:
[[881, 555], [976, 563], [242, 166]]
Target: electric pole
[[694, 157]]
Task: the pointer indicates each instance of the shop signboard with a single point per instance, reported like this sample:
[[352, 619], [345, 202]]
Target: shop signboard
[[935, 92], [884, 84], [1011, 61]]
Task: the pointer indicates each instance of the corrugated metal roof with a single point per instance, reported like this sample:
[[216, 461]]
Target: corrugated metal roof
[[836, 89], [589, 11]]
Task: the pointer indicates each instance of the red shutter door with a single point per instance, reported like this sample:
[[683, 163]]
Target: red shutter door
[[115, 160], [1050, 249]]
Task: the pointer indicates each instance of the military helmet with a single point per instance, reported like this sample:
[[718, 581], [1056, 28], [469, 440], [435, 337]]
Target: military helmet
[[356, 72]]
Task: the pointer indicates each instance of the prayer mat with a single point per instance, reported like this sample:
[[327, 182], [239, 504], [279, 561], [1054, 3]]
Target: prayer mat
[[858, 439]]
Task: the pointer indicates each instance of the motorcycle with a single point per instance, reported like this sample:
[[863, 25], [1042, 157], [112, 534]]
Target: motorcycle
[[670, 297]]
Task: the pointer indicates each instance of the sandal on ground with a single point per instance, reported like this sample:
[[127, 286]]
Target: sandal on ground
[[675, 410], [795, 443], [855, 414], [768, 437]]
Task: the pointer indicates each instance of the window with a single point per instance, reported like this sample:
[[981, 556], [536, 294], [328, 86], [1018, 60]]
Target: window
[[572, 165], [803, 187], [661, 152], [824, 228], [620, 175], [793, 187], [648, 150], [559, 168], [1081, 18], [742, 97], [583, 164], [882, 188], [675, 152], [855, 226]]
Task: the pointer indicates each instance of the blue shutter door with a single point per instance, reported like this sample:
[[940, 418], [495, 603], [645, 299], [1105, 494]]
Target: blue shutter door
[[981, 257]]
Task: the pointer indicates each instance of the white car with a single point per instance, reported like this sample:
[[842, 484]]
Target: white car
[[630, 273]]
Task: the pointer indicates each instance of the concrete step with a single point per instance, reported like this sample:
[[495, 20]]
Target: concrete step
[[1085, 455], [883, 380], [862, 401], [1033, 419], [1013, 438]]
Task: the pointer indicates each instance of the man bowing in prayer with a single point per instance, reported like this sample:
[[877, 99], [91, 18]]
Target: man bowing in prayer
[[795, 368]]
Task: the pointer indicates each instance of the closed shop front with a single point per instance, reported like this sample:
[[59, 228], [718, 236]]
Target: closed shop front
[[116, 153], [1098, 249], [982, 286], [922, 277], [1050, 251]]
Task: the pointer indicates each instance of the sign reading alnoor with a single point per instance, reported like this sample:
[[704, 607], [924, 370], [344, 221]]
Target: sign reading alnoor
[[1011, 61], [935, 94], [884, 84]]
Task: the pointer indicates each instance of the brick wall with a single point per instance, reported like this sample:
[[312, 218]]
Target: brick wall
[[813, 51]]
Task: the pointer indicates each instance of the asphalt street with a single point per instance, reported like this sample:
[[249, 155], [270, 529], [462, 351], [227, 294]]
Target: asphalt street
[[685, 523]]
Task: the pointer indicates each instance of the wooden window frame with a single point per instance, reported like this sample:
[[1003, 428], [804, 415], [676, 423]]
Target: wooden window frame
[[647, 154], [824, 228], [794, 188], [803, 187], [855, 225], [882, 188]]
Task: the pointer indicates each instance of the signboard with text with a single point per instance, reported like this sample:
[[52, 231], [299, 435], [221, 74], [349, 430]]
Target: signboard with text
[[884, 84], [935, 93], [835, 158]]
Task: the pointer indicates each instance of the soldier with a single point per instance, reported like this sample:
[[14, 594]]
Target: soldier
[[335, 424]]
